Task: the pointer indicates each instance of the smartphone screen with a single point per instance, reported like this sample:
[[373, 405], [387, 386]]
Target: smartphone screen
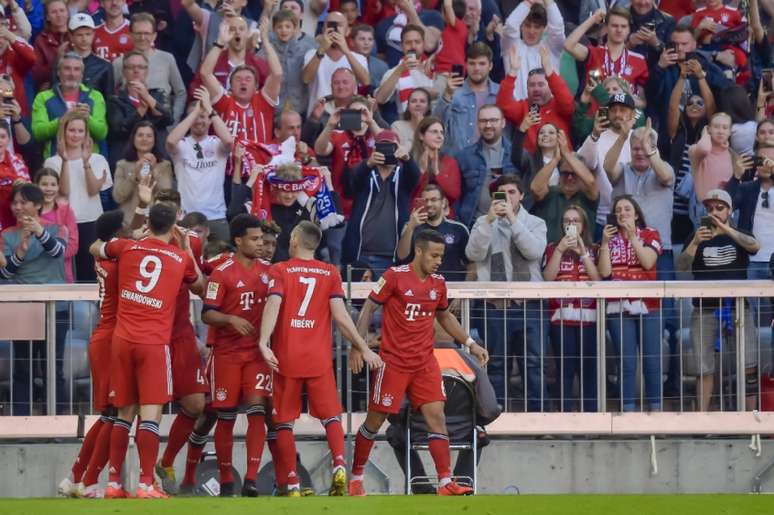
[[387, 149], [458, 70], [350, 119], [707, 222], [498, 196], [612, 220]]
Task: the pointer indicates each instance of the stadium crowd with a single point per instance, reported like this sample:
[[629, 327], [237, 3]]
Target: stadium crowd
[[545, 140]]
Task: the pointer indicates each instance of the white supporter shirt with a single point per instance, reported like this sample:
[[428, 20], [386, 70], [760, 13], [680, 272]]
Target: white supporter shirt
[[593, 155], [86, 208], [416, 78], [321, 85], [200, 181], [763, 228]]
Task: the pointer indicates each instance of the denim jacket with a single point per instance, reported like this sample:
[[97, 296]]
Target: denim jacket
[[460, 116]]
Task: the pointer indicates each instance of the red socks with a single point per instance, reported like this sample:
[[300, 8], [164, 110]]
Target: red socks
[[178, 436], [148, 448], [196, 443], [87, 447], [224, 441], [364, 442], [439, 450], [100, 454], [119, 441], [256, 434], [335, 436], [285, 467]]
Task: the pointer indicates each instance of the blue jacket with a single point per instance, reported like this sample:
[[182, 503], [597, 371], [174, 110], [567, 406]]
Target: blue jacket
[[474, 173], [745, 198], [364, 182], [460, 116]]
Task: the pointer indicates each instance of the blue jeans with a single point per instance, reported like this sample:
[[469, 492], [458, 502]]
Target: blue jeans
[[629, 331], [761, 306], [665, 271], [576, 354], [506, 333], [377, 264]]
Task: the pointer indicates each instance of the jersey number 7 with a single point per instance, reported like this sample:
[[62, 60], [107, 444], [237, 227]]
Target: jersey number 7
[[310, 283]]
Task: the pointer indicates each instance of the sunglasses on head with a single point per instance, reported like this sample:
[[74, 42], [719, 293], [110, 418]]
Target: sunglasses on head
[[765, 198], [198, 149]]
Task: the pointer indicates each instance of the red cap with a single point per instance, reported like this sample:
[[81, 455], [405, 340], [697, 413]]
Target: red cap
[[388, 136]]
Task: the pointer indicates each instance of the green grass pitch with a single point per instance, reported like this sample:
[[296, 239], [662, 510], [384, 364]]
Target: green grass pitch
[[415, 505]]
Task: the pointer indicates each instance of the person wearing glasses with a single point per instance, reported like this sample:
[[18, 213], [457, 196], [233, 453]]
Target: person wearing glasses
[[135, 102], [200, 160], [718, 251]]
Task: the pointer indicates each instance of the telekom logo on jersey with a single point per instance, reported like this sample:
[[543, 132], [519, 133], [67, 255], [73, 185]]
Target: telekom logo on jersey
[[246, 300], [412, 311]]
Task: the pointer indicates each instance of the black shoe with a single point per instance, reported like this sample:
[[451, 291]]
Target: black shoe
[[186, 490], [227, 490], [249, 489]]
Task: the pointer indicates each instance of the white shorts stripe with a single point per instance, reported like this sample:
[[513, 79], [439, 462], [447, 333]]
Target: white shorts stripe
[[378, 384], [169, 369], [211, 368]]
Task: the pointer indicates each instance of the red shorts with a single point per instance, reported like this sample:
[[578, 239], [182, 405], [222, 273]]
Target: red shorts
[[99, 363], [139, 373], [235, 377], [320, 391], [188, 375], [389, 385]]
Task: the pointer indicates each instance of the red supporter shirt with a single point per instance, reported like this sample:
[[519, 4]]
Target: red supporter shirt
[[253, 122], [107, 279], [110, 45], [624, 262], [630, 66], [150, 273], [348, 152], [409, 312], [236, 290], [724, 15], [303, 336], [182, 327], [453, 40], [571, 268], [17, 61], [12, 168]]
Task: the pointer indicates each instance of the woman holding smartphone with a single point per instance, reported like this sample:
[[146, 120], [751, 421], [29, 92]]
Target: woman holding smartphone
[[628, 252], [573, 327]]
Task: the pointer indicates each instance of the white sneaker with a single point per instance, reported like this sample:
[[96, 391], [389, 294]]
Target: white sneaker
[[66, 488], [92, 492]]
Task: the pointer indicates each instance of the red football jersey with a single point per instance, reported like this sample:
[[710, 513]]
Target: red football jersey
[[409, 312], [236, 290], [182, 327], [727, 16], [110, 45], [303, 336], [150, 273], [253, 122], [107, 280], [630, 66]]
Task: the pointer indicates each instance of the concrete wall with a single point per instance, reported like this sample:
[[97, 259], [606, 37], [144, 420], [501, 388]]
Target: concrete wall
[[524, 466]]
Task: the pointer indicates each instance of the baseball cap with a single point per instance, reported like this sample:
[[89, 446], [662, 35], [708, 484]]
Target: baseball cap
[[80, 20], [720, 195], [623, 99], [388, 136]]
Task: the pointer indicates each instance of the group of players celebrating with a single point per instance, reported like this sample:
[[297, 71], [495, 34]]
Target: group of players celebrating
[[270, 340]]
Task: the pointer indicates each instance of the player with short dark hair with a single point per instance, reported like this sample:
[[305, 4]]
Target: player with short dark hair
[[150, 274], [413, 296], [233, 304], [305, 296]]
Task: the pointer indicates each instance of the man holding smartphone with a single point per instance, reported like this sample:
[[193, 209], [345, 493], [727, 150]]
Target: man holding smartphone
[[650, 29]]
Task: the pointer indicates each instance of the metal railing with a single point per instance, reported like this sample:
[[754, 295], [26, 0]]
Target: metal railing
[[509, 319]]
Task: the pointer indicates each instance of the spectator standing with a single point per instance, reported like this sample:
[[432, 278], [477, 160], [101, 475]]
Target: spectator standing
[[464, 96], [200, 161], [547, 94], [530, 163], [576, 186], [112, 38], [429, 214], [712, 160], [529, 27], [332, 53], [593, 96], [363, 40], [418, 108], [97, 72], [207, 25], [651, 29], [82, 176], [435, 166], [17, 18], [17, 57], [380, 209], [57, 211], [507, 244], [482, 163], [163, 73], [735, 102], [718, 252], [343, 89], [628, 252], [454, 36], [143, 157], [48, 42], [573, 326], [135, 102], [13, 170], [11, 113], [291, 49], [70, 94]]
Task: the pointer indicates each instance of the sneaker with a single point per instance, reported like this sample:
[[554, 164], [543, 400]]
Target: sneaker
[[149, 492], [453, 488], [307, 491], [356, 488], [249, 489], [66, 488], [115, 491], [78, 491], [338, 483], [186, 490], [167, 477], [294, 491], [92, 492], [227, 490]]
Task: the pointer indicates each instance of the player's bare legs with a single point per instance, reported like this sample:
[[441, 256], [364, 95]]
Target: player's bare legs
[[364, 442], [191, 406]]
